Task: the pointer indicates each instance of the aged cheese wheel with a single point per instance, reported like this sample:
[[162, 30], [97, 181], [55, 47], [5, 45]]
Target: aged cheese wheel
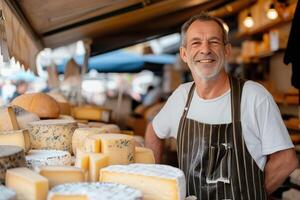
[[90, 191], [52, 134], [38, 158], [10, 157], [42, 104]]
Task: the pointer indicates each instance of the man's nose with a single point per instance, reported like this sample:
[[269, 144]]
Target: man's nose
[[205, 48]]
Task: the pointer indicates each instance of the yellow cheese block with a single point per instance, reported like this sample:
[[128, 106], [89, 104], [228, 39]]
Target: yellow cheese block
[[91, 113], [144, 155], [27, 184], [8, 119], [161, 182], [16, 138], [57, 175], [79, 136], [119, 147], [97, 161]]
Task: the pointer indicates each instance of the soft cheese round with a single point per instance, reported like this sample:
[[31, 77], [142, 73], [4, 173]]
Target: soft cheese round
[[7, 194], [96, 191], [10, 157], [37, 158]]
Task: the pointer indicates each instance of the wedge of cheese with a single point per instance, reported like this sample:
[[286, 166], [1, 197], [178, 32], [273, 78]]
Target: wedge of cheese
[[8, 119], [97, 161], [144, 155], [27, 184], [91, 113], [161, 182], [38, 158], [7, 194], [10, 157], [93, 191], [118, 147], [79, 136], [16, 138], [52, 134], [57, 175]]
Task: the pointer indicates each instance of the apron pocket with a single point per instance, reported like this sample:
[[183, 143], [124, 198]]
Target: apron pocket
[[219, 164]]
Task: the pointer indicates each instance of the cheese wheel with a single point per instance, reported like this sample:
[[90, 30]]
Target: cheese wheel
[[16, 138], [38, 158], [10, 157], [52, 134], [42, 104], [161, 182], [94, 191], [7, 194]]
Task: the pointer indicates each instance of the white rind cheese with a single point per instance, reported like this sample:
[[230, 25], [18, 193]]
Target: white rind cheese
[[52, 134], [155, 181], [95, 191], [7, 194], [10, 157], [37, 158]]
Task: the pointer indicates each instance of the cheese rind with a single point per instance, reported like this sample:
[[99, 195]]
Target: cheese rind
[[16, 138], [94, 191], [37, 158], [144, 155], [27, 184], [155, 181], [7, 194], [10, 157], [57, 175], [52, 134]]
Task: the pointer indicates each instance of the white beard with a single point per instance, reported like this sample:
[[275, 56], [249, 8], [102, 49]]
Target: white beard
[[212, 75]]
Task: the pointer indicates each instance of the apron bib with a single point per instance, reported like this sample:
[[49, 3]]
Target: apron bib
[[214, 157]]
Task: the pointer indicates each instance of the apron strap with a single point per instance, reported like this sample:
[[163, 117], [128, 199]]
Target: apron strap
[[236, 86]]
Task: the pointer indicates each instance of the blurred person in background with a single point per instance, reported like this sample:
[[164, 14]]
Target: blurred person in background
[[21, 88]]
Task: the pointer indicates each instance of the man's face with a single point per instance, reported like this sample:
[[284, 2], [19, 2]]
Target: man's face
[[205, 51]]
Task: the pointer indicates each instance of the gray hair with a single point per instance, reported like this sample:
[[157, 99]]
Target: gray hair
[[202, 17]]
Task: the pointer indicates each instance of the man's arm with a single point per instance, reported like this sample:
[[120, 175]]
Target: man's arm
[[153, 142], [278, 167]]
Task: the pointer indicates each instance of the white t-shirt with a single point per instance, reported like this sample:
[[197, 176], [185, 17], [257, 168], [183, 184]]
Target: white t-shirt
[[262, 126]]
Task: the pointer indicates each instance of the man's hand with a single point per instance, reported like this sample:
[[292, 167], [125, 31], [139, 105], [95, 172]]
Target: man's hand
[[155, 143], [278, 167]]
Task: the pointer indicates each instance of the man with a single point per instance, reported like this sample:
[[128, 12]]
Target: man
[[231, 140]]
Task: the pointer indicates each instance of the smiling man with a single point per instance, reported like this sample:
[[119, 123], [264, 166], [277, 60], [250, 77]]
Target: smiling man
[[231, 140]]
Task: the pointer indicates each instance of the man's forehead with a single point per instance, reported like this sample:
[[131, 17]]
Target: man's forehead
[[205, 28]]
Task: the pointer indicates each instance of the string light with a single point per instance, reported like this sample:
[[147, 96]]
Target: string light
[[272, 13], [248, 21]]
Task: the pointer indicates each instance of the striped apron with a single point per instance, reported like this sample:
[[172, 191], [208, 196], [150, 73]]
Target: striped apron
[[214, 157]]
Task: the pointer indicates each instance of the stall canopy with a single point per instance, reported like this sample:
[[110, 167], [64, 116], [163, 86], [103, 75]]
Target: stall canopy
[[121, 61], [110, 24]]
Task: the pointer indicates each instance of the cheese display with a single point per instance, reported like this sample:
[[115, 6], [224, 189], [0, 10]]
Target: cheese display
[[27, 184], [24, 117], [91, 113], [161, 182], [119, 147], [79, 136], [37, 158], [7, 194], [16, 138], [94, 191], [144, 155], [10, 157], [52, 134], [57, 175], [8, 119], [40, 103], [97, 161]]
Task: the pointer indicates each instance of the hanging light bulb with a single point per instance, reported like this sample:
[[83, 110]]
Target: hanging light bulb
[[248, 21], [272, 13]]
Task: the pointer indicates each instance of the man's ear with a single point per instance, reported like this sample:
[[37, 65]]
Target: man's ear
[[228, 50], [183, 56]]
